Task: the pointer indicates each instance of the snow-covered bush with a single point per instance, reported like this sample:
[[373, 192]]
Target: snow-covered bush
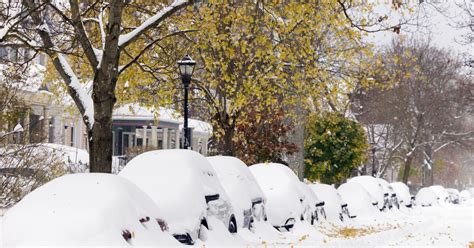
[[85, 210], [23, 168]]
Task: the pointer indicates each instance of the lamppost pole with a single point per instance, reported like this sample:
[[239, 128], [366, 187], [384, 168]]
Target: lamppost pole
[[373, 160], [186, 128], [186, 69]]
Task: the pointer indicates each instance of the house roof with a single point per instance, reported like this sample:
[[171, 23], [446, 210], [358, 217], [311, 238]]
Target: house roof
[[134, 111]]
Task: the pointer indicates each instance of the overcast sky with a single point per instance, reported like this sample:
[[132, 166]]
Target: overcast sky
[[439, 23]]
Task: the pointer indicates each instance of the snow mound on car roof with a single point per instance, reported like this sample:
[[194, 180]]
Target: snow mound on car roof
[[359, 201], [281, 188], [426, 197], [237, 180], [174, 180], [372, 185], [441, 192], [84, 210], [332, 200], [385, 186], [465, 195], [403, 193]]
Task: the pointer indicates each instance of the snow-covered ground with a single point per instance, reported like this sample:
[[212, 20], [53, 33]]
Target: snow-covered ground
[[443, 226]]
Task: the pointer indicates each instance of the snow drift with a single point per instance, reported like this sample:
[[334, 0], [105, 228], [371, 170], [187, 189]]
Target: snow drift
[[281, 188], [85, 210]]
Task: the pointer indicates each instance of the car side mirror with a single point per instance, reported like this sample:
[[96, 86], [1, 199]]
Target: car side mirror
[[210, 198]]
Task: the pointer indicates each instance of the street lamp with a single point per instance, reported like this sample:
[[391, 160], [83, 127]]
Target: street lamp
[[186, 69]]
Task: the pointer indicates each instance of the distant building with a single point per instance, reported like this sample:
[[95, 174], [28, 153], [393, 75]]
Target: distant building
[[52, 120], [135, 126]]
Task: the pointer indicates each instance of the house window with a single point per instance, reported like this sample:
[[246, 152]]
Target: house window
[[3, 53]]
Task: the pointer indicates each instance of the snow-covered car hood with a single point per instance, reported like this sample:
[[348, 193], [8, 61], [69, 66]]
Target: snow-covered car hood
[[85, 210], [465, 195], [359, 201], [282, 191], [441, 192], [427, 197], [309, 200], [175, 181], [403, 193], [372, 185], [332, 200], [238, 182]]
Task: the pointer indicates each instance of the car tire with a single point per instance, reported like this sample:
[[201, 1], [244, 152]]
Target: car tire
[[323, 213], [313, 218], [203, 229], [232, 225], [251, 221]]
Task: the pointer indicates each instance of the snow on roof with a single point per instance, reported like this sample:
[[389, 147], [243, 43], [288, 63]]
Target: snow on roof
[[199, 126], [84, 210], [133, 111]]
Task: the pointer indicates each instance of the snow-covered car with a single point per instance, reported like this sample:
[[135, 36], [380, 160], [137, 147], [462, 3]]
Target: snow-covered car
[[282, 192], [392, 195], [465, 195], [427, 197], [359, 201], [441, 192], [372, 185], [403, 194], [80, 210], [453, 195], [335, 208], [314, 208], [185, 187], [240, 185]]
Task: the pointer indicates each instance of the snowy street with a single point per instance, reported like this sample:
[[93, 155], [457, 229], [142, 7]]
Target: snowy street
[[442, 226], [447, 226]]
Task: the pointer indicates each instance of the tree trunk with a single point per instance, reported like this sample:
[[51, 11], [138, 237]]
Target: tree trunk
[[227, 145], [100, 137], [103, 96], [406, 169]]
